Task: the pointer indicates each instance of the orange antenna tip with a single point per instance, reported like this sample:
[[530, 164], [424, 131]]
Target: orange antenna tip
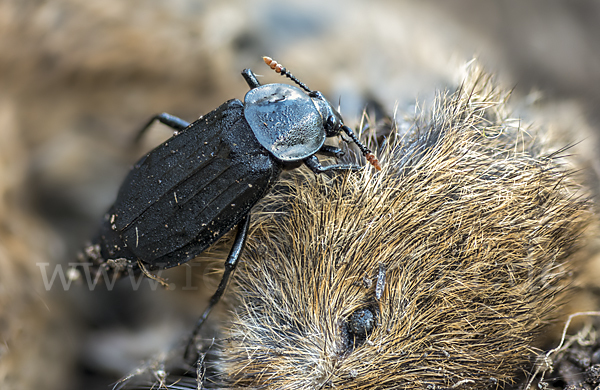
[[373, 161], [277, 67], [272, 63]]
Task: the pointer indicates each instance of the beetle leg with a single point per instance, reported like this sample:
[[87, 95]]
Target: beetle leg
[[250, 78], [167, 119], [332, 151], [230, 265], [313, 163], [147, 273]]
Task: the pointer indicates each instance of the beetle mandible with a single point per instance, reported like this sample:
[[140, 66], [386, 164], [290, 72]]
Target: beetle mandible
[[185, 194]]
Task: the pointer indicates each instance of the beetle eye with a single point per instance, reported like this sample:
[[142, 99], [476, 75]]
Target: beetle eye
[[359, 326]]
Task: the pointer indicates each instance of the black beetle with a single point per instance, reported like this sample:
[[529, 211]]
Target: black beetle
[[189, 191]]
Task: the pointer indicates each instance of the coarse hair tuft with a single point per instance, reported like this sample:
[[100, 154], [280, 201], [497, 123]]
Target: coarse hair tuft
[[461, 248]]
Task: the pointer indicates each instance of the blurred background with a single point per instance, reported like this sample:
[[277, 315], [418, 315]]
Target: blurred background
[[78, 78]]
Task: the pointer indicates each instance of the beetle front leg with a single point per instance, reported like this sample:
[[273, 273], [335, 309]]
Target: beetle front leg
[[167, 119], [250, 78], [332, 151], [313, 163], [230, 266]]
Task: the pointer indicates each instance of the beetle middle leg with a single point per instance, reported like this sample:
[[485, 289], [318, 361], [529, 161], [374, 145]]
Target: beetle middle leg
[[230, 266], [166, 119], [313, 163]]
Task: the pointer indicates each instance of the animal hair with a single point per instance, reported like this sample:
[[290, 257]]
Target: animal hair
[[461, 247]]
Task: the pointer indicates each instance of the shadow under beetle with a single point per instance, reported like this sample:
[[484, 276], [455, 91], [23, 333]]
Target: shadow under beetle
[[189, 191]]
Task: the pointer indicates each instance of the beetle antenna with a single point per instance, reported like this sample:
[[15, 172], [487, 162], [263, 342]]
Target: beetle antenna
[[277, 67], [365, 151]]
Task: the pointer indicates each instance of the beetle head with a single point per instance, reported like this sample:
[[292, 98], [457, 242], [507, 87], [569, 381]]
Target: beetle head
[[332, 120], [334, 125]]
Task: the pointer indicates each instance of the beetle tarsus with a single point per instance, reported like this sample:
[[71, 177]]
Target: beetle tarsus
[[230, 266], [147, 273], [172, 121], [313, 163]]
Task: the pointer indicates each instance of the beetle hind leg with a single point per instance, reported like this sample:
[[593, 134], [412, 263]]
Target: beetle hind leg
[[230, 266], [313, 163], [147, 273], [166, 119]]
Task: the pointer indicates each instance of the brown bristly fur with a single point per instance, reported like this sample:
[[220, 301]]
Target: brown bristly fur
[[475, 223]]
